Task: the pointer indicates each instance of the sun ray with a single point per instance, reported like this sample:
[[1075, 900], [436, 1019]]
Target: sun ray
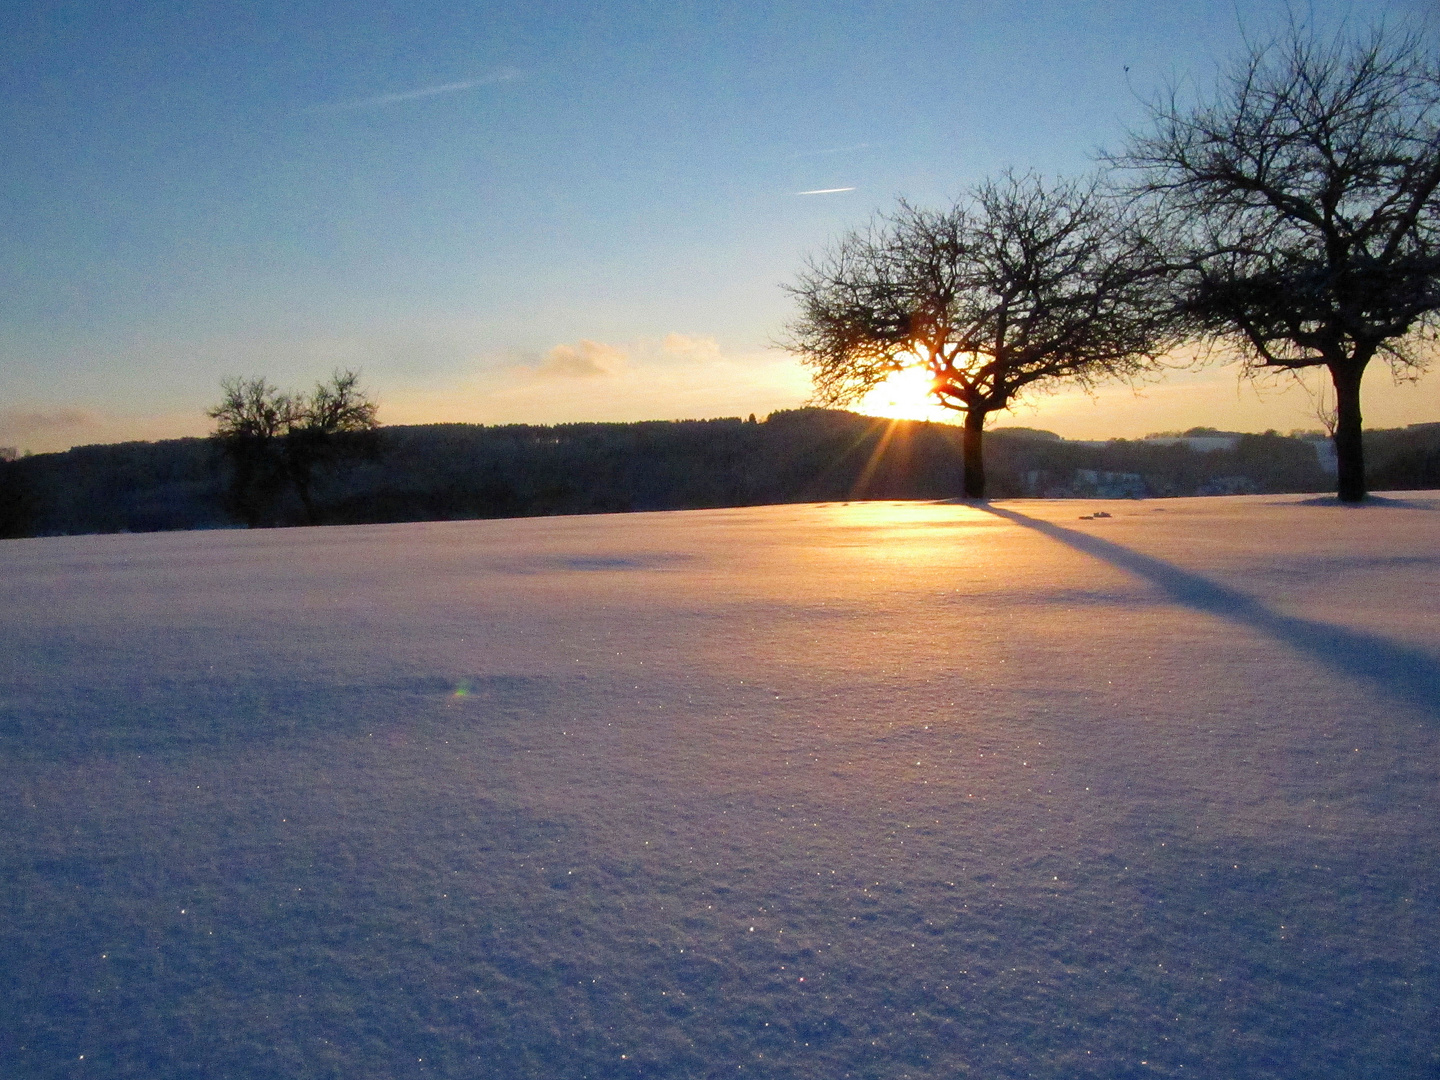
[[863, 480]]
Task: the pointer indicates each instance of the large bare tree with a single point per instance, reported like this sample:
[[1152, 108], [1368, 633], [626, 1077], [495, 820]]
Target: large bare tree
[[1021, 284], [1300, 201]]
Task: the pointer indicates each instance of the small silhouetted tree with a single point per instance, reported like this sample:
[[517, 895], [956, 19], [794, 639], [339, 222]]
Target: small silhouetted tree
[[250, 420], [1021, 285], [335, 423], [1300, 199], [273, 439]]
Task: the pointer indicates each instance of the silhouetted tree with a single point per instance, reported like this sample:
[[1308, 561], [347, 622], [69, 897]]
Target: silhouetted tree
[[251, 419], [334, 423], [1300, 199], [273, 439], [1020, 285]]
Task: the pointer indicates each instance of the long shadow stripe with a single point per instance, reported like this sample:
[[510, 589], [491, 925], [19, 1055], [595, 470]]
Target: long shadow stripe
[[1404, 673]]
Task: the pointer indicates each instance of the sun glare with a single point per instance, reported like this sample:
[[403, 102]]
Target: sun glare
[[905, 395]]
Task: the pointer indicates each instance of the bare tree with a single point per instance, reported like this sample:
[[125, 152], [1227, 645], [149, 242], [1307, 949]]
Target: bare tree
[[335, 422], [252, 409], [272, 438], [1020, 285], [250, 421], [1300, 200]]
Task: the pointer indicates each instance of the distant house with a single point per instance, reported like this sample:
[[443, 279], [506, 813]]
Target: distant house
[[1086, 483], [1228, 485], [1109, 485], [1223, 440], [1325, 453]]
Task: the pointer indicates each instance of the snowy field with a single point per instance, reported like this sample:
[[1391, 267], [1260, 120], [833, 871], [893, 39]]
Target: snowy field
[[876, 790]]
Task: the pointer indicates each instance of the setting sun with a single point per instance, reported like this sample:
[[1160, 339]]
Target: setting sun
[[905, 395]]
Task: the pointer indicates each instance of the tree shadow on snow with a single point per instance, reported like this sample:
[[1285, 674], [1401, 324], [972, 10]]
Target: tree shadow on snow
[[1372, 501], [1400, 671]]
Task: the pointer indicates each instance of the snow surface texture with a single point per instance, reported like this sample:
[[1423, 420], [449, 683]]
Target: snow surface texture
[[873, 790]]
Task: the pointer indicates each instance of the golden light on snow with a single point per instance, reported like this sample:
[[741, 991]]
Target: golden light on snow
[[905, 395]]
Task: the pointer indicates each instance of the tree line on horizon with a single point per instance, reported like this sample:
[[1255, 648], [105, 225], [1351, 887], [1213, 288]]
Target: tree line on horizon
[[1289, 218], [460, 471]]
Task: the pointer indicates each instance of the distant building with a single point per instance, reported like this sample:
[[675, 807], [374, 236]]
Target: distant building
[[1228, 485], [1109, 485], [1202, 443], [1325, 452], [1086, 484]]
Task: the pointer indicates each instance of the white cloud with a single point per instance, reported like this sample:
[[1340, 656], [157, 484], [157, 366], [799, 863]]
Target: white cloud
[[584, 360]]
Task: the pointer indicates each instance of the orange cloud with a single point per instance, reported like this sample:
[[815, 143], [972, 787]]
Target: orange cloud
[[584, 360]]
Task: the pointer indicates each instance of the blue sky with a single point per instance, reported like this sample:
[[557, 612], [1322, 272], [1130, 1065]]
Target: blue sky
[[532, 211]]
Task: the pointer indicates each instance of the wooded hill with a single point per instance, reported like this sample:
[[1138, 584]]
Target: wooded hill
[[455, 471]]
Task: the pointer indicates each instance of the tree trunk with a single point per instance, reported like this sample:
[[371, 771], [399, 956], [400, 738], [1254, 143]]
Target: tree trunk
[[300, 450], [974, 453], [249, 468], [302, 487], [1349, 446]]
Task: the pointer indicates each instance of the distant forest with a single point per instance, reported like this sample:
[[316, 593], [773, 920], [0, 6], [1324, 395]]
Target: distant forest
[[455, 471]]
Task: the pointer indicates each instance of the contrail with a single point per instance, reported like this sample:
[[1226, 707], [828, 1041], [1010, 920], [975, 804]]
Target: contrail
[[504, 75], [833, 150], [825, 191]]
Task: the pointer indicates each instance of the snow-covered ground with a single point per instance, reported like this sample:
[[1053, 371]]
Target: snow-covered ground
[[874, 790]]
